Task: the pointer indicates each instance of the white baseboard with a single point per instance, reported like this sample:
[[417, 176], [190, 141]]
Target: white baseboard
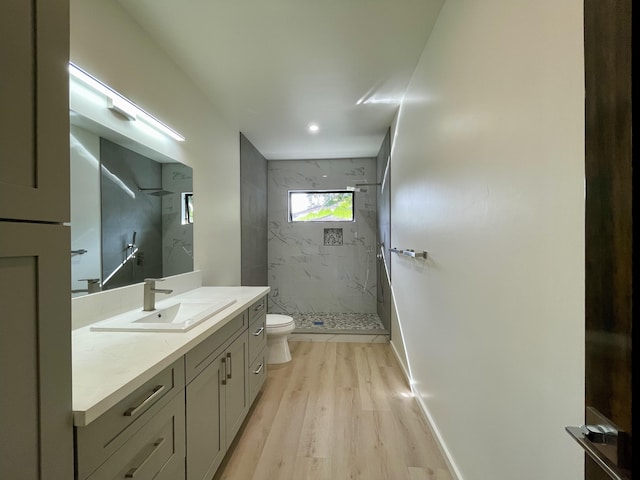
[[452, 469], [407, 377]]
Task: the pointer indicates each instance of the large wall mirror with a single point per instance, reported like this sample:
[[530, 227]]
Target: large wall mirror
[[131, 200]]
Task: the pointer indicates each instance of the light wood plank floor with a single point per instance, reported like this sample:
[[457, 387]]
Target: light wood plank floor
[[337, 411]]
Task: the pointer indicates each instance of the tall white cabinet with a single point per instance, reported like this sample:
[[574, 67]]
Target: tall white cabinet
[[36, 434]]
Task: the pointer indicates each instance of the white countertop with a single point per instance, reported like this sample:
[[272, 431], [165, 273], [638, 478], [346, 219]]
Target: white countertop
[[108, 366]]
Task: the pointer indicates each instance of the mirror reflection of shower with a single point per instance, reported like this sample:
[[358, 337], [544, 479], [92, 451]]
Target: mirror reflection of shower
[[127, 220], [130, 253]]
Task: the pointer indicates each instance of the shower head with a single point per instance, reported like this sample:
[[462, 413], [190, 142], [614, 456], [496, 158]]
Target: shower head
[[358, 185]]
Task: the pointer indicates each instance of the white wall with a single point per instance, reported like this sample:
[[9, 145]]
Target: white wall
[[487, 175], [108, 44]]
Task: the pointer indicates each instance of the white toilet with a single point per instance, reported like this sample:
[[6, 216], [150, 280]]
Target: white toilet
[[278, 329]]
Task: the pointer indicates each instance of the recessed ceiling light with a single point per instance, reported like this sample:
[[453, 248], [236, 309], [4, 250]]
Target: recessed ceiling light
[[313, 127]]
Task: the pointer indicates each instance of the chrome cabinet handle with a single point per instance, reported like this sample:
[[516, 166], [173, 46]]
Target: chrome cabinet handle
[[132, 473], [230, 374], [154, 393], [257, 372], [224, 374], [259, 307], [258, 332]]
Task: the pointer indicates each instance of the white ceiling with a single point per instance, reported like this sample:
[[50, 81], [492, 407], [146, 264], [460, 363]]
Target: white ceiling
[[275, 66]]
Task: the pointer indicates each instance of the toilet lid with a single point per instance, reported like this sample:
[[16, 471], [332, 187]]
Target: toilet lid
[[275, 320]]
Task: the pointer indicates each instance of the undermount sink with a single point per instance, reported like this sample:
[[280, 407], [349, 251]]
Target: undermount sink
[[180, 316]]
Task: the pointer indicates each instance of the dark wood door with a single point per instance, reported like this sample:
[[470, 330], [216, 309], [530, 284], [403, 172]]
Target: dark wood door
[[608, 232]]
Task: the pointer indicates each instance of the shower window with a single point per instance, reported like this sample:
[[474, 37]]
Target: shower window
[[321, 206], [187, 208]]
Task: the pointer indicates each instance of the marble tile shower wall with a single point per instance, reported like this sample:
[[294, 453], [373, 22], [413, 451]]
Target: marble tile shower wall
[[177, 239], [321, 266]]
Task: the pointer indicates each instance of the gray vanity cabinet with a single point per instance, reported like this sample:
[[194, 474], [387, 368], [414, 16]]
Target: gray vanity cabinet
[[257, 372], [185, 416], [217, 398], [142, 436], [156, 451]]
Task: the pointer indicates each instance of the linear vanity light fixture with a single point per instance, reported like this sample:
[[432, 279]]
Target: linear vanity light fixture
[[121, 104]]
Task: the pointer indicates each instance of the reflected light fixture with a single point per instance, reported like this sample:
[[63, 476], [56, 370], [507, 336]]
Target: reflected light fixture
[[121, 104], [313, 128]]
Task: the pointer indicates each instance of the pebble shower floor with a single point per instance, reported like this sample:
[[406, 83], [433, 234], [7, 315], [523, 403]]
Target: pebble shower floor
[[362, 323]]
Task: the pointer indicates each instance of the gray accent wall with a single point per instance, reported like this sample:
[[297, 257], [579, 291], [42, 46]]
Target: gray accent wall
[[311, 268], [253, 212], [126, 210]]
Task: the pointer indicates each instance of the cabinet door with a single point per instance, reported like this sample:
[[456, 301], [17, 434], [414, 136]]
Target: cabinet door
[[35, 352], [34, 125], [205, 428], [236, 389]]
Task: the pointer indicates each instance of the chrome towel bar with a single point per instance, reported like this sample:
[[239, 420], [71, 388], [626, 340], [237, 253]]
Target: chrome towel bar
[[409, 253]]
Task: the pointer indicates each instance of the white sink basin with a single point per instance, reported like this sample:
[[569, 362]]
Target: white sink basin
[[176, 317]]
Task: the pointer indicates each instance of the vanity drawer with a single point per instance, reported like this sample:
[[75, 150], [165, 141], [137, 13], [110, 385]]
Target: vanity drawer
[[257, 308], [257, 374], [156, 451], [101, 438], [203, 354], [257, 335]]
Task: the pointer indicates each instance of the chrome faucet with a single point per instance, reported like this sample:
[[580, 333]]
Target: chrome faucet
[[150, 290]]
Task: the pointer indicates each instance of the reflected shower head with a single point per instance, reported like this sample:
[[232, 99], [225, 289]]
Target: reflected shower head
[[158, 192]]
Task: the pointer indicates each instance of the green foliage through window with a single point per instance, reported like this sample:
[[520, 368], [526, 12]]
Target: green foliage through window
[[187, 208], [321, 206]]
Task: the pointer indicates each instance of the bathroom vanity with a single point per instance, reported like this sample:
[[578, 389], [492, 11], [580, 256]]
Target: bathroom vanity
[[167, 404]]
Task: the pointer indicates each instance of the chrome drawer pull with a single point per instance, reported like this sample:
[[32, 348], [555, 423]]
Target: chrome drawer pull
[[257, 372], [154, 393], [224, 374], [230, 374], [258, 332], [132, 473], [259, 307]]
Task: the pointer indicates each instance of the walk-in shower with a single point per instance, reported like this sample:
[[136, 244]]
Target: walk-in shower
[[322, 261]]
